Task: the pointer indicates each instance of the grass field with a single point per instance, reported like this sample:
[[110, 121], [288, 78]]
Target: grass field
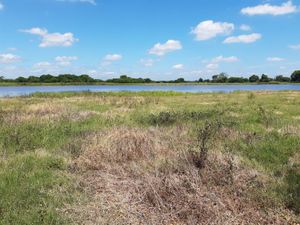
[[150, 158]]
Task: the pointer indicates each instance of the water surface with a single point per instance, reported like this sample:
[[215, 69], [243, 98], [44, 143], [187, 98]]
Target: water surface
[[26, 90]]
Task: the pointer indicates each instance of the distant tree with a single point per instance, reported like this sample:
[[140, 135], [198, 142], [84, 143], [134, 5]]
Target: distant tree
[[180, 80], [86, 78], [123, 77], [33, 79], [254, 78], [264, 78], [295, 77], [281, 78], [219, 78], [200, 80], [1, 78], [147, 80], [21, 79], [237, 80], [48, 79]]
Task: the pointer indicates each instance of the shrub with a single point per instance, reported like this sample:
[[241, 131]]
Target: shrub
[[204, 136]]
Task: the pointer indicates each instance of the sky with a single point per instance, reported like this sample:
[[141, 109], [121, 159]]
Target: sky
[[159, 39]]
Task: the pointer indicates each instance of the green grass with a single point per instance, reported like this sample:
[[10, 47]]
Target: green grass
[[42, 133], [32, 187]]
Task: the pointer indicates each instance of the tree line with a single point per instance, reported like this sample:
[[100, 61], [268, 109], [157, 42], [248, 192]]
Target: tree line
[[218, 78]]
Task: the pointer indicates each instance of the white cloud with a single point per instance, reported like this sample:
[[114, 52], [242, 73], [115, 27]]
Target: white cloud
[[295, 47], [52, 39], [9, 58], [209, 29], [147, 62], [162, 49], [110, 58], [225, 59], [275, 59], [93, 2], [1, 6], [245, 27], [214, 63], [243, 38], [267, 9], [113, 57], [178, 66], [65, 60], [42, 65], [212, 66]]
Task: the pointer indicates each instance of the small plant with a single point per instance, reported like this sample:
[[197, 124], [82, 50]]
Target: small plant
[[293, 188], [163, 118], [266, 116], [251, 96], [204, 136]]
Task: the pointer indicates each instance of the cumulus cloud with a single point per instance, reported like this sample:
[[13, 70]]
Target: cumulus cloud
[[162, 49], [212, 66], [295, 47], [110, 58], [225, 59], [214, 63], [275, 59], [243, 39], [93, 2], [268, 9], [209, 29], [9, 58], [42, 65], [245, 27], [52, 39], [65, 60], [147, 62], [113, 57], [178, 66]]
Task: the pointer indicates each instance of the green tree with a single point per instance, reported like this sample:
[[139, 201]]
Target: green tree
[[237, 80], [219, 78], [264, 78], [21, 79], [254, 78], [295, 77], [179, 80], [281, 78], [33, 79]]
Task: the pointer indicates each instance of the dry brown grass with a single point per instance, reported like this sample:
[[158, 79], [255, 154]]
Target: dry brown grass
[[43, 112], [290, 130], [145, 176]]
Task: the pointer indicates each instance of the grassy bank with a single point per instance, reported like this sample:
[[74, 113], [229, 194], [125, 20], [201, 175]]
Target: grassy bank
[[150, 158]]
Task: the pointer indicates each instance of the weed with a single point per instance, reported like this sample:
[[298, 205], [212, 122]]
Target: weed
[[204, 136]]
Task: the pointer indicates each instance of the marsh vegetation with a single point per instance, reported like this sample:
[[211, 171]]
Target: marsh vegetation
[[150, 158]]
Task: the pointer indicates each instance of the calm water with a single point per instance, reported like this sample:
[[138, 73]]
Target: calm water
[[25, 90]]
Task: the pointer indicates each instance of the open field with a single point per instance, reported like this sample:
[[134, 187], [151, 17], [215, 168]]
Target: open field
[[150, 158]]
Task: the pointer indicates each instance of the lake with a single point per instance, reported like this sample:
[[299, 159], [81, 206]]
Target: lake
[[26, 90]]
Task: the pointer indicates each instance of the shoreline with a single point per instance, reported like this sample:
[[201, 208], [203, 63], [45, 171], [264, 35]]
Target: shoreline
[[3, 84]]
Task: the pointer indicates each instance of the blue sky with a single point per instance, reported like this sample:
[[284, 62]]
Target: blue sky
[[160, 39]]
